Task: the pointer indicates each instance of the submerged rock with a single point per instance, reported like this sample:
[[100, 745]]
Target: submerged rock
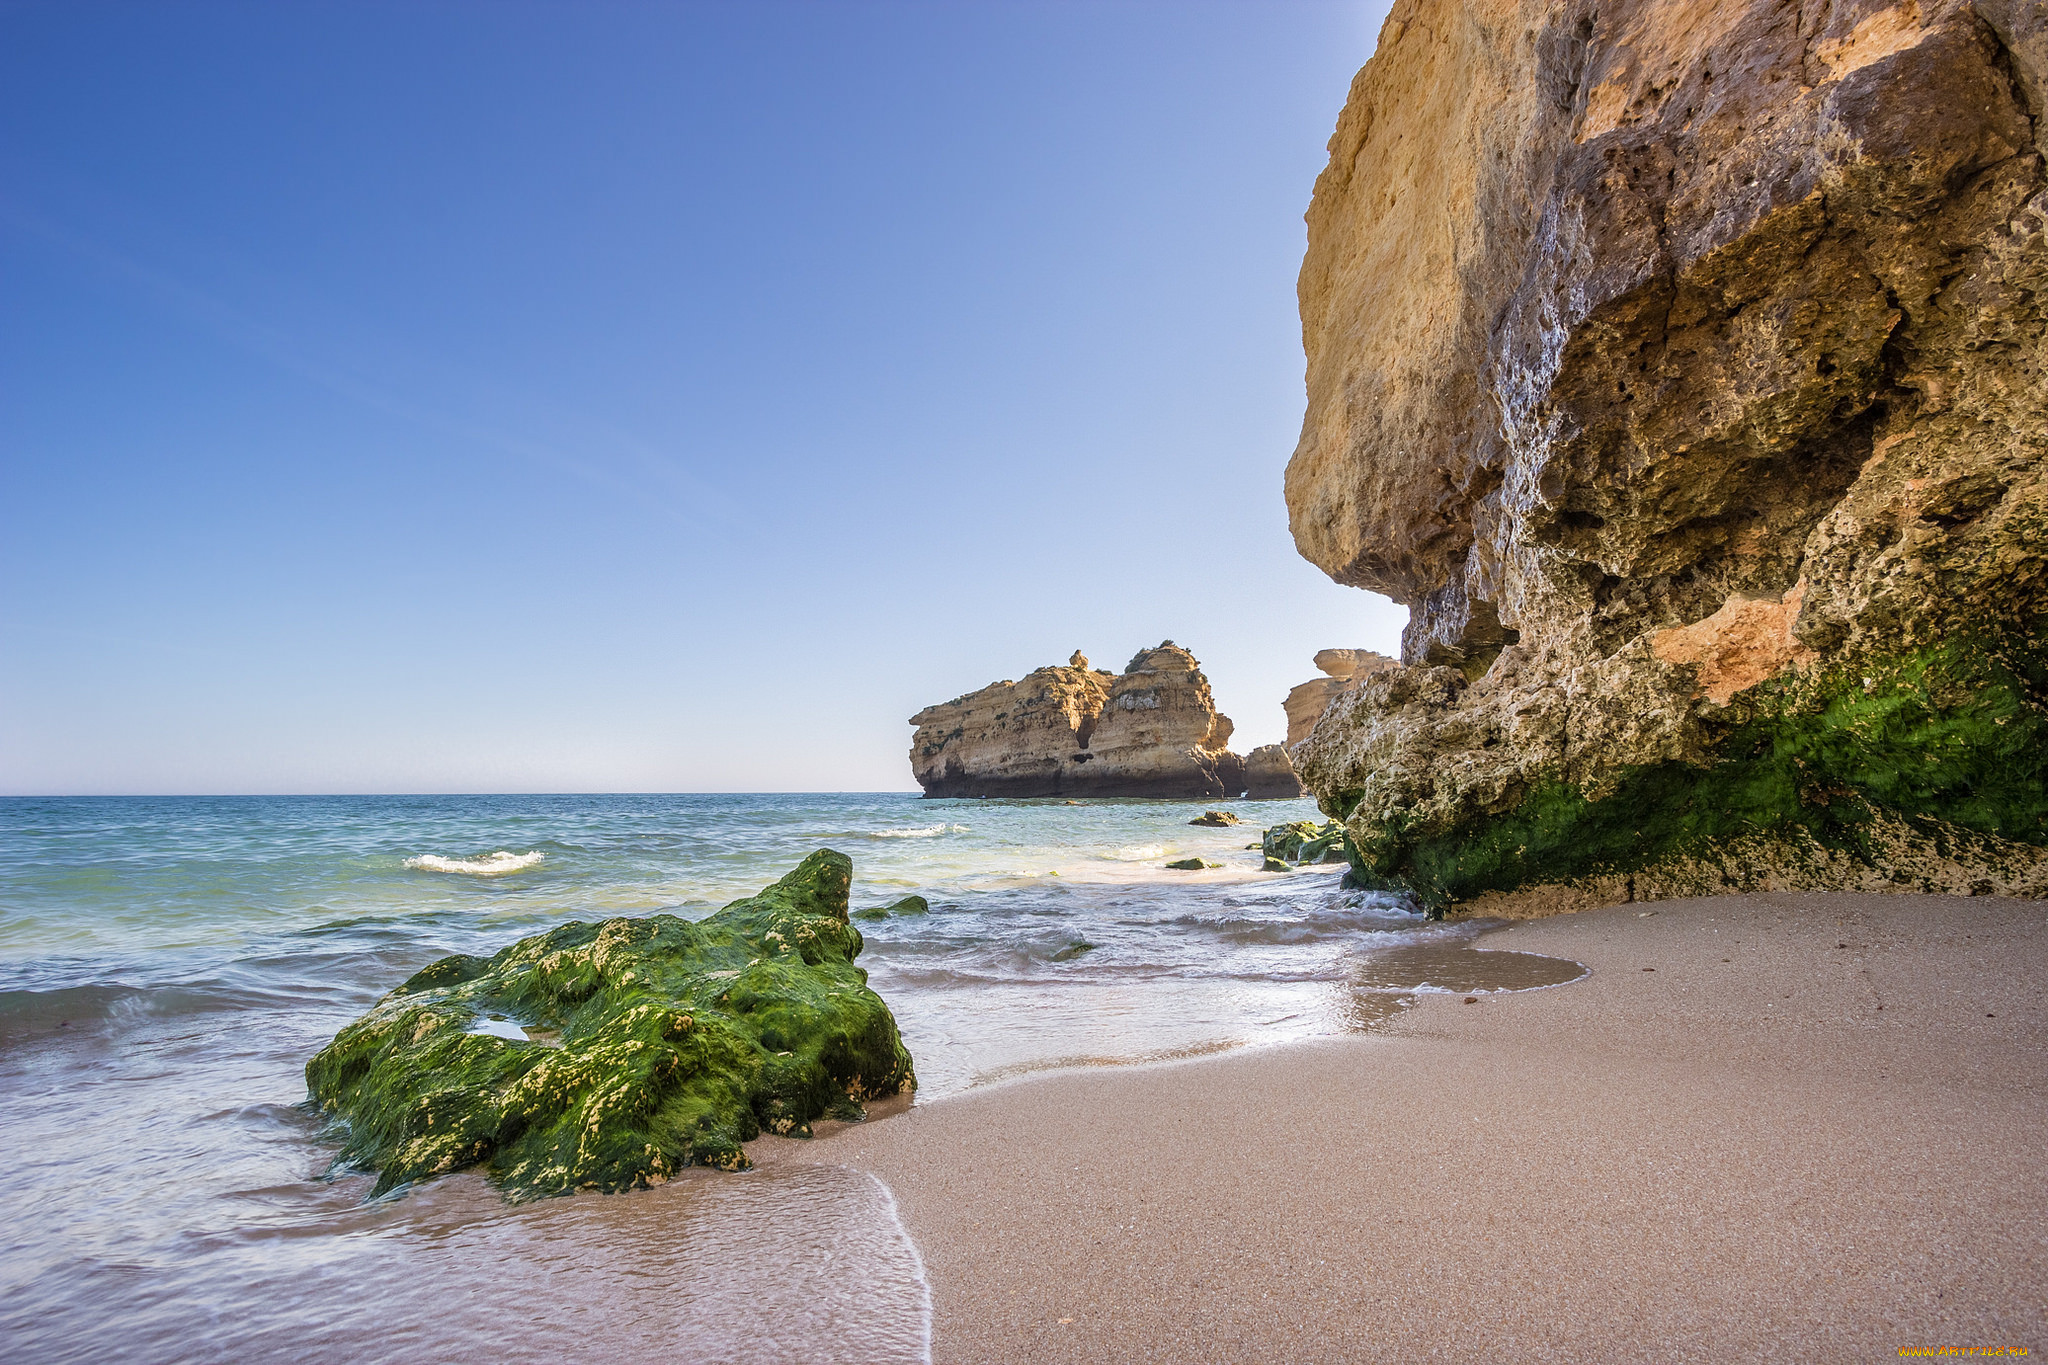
[[909, 905], [1269, 774], [1191, 865], [670, 1043], [1215, 819], [1708, 446], [1152, 730]]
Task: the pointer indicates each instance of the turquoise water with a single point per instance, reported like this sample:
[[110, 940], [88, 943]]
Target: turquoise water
[[168, 965]]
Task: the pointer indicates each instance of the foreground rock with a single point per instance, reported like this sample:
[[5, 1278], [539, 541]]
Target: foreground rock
[[1342, 669], [663, 1043], [1269, 774], [1075, 731], [1705, 441]]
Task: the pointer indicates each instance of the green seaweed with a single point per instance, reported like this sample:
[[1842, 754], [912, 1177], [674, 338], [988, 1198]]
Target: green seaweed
[[661, 1043], [1951, 735]]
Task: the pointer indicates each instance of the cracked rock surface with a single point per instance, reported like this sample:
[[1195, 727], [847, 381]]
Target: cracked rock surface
[[1682, 367]]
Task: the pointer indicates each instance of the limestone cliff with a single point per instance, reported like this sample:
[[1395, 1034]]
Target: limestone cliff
[[1306, 703], [1681, 366], [1269, 774], [1152, 731]]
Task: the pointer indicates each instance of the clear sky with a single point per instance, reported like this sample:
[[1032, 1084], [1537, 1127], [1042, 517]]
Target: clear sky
[[623, 397]]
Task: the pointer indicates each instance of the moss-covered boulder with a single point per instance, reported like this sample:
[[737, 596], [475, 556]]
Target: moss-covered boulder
[[1303, 841], [653, 1044], [909, 905]]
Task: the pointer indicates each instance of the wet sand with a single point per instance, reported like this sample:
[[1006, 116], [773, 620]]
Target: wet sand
[[1784, 1127]]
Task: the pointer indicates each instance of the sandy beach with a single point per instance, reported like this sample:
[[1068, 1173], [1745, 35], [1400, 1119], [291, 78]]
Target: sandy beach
[[1784, 1127]]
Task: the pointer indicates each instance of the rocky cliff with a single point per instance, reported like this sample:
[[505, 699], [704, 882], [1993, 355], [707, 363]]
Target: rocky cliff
[[1306, 702], [1269, 774], [1681, 366], [1075, 731]]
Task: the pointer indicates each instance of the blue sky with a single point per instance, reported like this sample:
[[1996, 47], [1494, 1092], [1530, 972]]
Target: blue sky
[[587, 397]]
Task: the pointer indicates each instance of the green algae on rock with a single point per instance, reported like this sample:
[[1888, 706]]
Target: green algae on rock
[[1923, 770], [667, 1043], [909, 905], [1301, 841]]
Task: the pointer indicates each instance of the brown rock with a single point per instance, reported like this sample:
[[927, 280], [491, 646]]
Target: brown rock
[[1306, 703], [1269, 774], [1350, 663], [1152, 731], [1684, 368]]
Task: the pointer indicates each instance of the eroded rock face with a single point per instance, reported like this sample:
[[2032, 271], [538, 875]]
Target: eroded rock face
[[1151, 731], [654, 1044], [1682, 367], [1306, 702], [1269, 774]]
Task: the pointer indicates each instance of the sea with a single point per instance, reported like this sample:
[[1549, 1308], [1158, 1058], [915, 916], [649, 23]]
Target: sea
[[168, 965]]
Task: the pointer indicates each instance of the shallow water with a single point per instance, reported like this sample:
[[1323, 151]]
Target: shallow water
[[168, 965]]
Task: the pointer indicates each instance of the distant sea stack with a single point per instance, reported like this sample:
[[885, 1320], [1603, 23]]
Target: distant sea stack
[[1152, 730], [1684, 368]]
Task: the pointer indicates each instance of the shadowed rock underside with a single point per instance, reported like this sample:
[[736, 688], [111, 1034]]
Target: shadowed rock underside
[[658, 1043], [1684, 368]]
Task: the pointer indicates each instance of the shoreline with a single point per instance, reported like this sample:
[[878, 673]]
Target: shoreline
[[1787, 1125]]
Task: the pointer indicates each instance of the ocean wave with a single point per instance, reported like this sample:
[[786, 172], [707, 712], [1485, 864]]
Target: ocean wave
[[490, 865], [24, 1014], [919, 832], [1137, 853]]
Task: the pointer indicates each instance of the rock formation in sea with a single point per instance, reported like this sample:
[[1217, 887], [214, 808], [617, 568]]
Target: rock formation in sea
[[1269, 774], [1342, 668], [1684, 368], [1075, 731], [652, 1044], [1303, 841]]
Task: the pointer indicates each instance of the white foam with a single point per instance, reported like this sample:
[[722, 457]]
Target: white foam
[[1138, 853], [920, 832], [491, 865]]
